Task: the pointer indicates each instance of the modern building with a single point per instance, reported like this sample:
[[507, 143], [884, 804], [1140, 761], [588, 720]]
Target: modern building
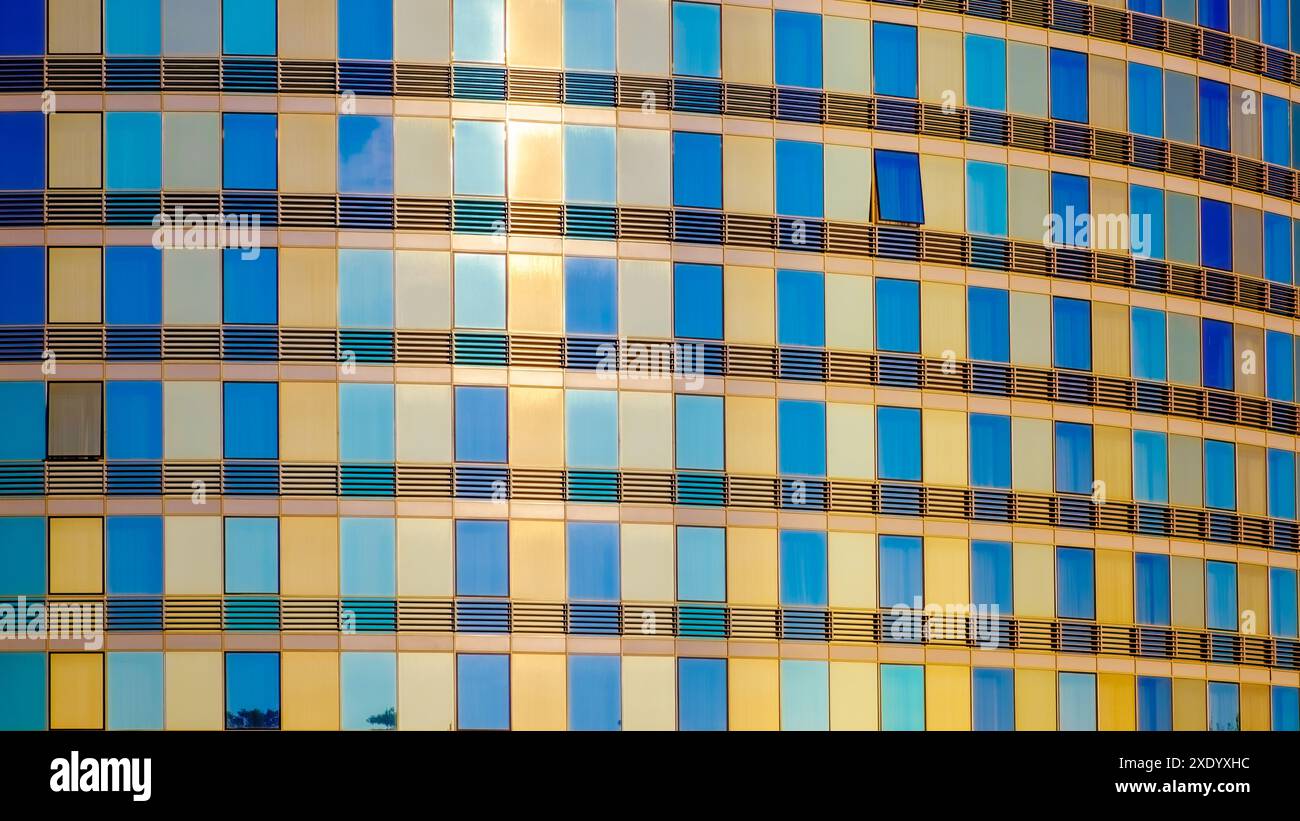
[[649, 364]]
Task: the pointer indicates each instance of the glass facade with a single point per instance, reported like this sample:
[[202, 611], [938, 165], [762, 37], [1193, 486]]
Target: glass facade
[[648, 364]]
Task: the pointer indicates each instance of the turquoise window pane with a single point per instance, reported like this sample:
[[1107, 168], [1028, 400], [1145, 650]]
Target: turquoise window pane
[[479, 165], [699, 432], [805, 695], [133, 149], [803, 568], [366, 423], [369, 685], [902, 697], [1281, 484], [1077, 705], [367, 557], [1149, 343], [1220, 474], [132, 27], [365, 288], [701, 563], [1147, 222], [22, 436], [248, 27], [22, 691], [480, 30], [697, 39], [589, 35], [590, 173], [591, 428], [986, 72], [252, 691], [22, 555], [1150, 467], [135, 691], [986, 198], [252, 554], [480, 291]]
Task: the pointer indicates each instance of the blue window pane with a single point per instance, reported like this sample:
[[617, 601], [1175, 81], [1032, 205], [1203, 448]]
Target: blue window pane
[[480, 30], [595, 693], [24, 30], [369, 690], [1282, 602], [135, 555], [366, 423], [986, 198], [252, 691], [1286, 708], [1148, 344], [250, 287], [990, 450], [803, 568], [367, 557], [1274, 25], [22, 691], [989, 318], [1073, 457], [901, 581], [133, 149], [480, 424], [697, 169], [365, 154], [1151, 580], [1221, 595], [1225, 706], [1150, 467], [697, 300], [248, 27], [697, 39], [249, 151], [898, 315], [482, 692], [1281, 484], [252, 413], [1155, 704], [699, 432], [1216, 234], [593, 561], [1074, 583], [1295, 116], [1146, 103], [993, 691], [595, 178], [22, 556], [1078, 701], [701, 694], [135, 691], [132, 27], [1070, 202], [22, 143], [1277, 247], [480, 157], [1072, 333], [1069, 81], [805, 695], [482, 558], [991, 575], [986, 72], [365, 30], [894, 60], [701, 564], [802, 435], [480, 291], [898, 187], [1214, 114], [800, 308], [22, 281], [22, 436], [591, 428], [1220, 474], [134, 412], [253, 554], [589, 35], [133, 285], [1147, 223], [798, 49], [902, 697], [899, 443], [1212, 14], [799, 170], [590, 295], [1277, 130]]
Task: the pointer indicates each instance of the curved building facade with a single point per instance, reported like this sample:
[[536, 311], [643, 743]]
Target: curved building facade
[[649, 364]]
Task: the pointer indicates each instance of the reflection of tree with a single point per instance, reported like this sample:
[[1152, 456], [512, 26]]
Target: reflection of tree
[[387, 719], [254, 719]]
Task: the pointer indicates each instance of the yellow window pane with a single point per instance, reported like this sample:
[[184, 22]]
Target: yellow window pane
[[649, 693], [537, 560], [644, 172], [751, 434], [1114, 586], [850, 440], [76, 691], [308, 155], [536, 420], [1256, 708], [192, 555], [1250, 359], [1110, 322], [1185, 470], [191, 150], [849, 315], [651, 416], [193, 684], [943, 320], [76, 555], [751, 565], [421, 33], [944, 446], [423, 297], [1031, 454], [422, 156], [647, 562], [939, 58], [644, 37], [74, 26], [424, 557], [851, 560], [191, 286], [1252, 596], [1035, 699], [746, 45], [425, 691], [645, 298], [753, 694], [947, 697], [1034, 580], [1114, 461], [1116, 702], [538, 692], [309, 684], [75, 153], [1031, 335], [1029, 202], [749, 304], [1252, 481], [75, 282], [947, 571], [1107, 93], [1189, 704], [533, 33], [747, 184], [855, 696], [848, 183], [308, 288], [307, 30], [1187, 579], [846, 54], [943, 186], [535, 293], [192, 420], [309, 556], [309, 421], [535, 162], [424, 423]]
